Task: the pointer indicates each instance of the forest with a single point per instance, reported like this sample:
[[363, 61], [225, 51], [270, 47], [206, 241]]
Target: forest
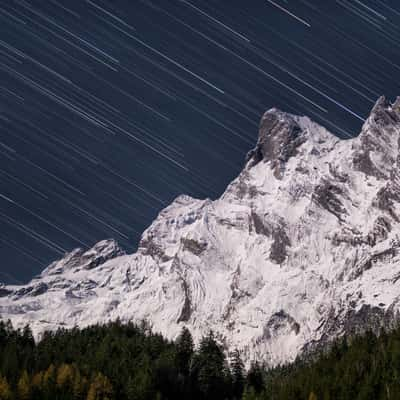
[[130, 362]]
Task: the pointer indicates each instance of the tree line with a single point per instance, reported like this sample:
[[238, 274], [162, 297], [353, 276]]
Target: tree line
[[130, 362]]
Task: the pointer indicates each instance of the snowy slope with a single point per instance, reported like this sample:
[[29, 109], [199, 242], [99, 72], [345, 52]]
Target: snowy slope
[[302, 246]]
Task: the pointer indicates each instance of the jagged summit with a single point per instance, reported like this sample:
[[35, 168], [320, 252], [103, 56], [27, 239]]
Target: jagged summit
[[279, 136], [376, 149], [79, 259], [303, 246], [385, 112], [383, 115]]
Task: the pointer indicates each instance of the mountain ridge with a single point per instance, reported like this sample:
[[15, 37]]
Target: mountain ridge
[[302, 247]]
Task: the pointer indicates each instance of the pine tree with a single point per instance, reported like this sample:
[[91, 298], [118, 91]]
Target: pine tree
[[141, 385], [5, 390], [249, 393], [27, 336], [65, 376], [255, 378], [312, 396], [78, 386], [10, 363], [100, 388], [237, 368], [24, 387], [37, 385], [37, 380], [209, 368], [3, 333], [49, 382], [184, 351]]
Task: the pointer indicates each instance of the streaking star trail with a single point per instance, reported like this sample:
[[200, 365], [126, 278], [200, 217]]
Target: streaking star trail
[[109, 110]]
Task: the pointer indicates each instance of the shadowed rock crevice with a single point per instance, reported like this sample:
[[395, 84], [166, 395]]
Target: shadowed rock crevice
[[186, 311], [237, 294], [257, 223], [275, 231], [280, 322], [281, 242], [328, 196], [384, 255], [380, 231], [149, 247], [193, 246], [386, 200]]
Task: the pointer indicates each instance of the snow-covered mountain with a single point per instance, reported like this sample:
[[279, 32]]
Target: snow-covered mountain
[[302, 246]]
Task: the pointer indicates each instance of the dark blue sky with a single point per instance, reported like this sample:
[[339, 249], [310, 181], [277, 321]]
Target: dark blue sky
[[110, 109]]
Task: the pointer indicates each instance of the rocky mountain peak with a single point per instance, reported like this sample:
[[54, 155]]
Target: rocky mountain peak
[[108, 248], [78, 258], [384, 112], [278, 139], [377, 147], [396, 105]]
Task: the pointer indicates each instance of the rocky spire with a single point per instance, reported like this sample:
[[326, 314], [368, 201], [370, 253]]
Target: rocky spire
[[376, 148], [396, 105], [278, 138], [384, 113]]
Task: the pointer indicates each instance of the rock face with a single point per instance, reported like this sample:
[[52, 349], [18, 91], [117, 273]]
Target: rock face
[[303, 246]]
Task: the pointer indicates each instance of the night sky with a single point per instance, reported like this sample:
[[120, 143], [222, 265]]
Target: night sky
[[110, 109]]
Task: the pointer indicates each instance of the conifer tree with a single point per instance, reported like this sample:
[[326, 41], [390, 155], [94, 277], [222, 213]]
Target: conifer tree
[[184, 351], [37, 380], [65, 376], [249, 393], [141, 386], [24, 387], [10, 363], [238, 379], [49, 382], [209, 368], [78, 386], [312, 396], [27, 336], [37, 386], [255, 378], [5, 390], [100, 388]]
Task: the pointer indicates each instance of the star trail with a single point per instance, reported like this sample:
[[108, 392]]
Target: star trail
[[110, 109]]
